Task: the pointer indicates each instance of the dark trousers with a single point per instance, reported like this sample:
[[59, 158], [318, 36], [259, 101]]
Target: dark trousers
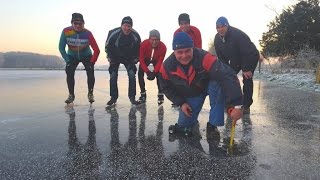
[[247, 89], [113, 71], [142, 83], [70, 71]]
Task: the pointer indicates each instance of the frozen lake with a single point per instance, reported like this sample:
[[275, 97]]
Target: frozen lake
[[39, 140]]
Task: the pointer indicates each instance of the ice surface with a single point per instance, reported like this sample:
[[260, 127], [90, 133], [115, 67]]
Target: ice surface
[[40, 140]]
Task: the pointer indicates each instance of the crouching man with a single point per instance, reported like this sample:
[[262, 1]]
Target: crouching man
[[190, 74]]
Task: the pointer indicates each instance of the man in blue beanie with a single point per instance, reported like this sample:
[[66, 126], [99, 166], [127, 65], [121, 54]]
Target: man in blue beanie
[[235, 48], [190, 74]]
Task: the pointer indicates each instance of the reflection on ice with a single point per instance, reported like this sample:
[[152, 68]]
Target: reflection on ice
[[132, 142]]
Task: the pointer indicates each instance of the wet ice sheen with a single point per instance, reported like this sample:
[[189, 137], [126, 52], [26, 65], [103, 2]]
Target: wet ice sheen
[[132, 142]]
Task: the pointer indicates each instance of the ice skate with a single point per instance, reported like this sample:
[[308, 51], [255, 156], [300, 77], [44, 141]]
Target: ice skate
[[160, 99], [90, 98], [143, 97], [70, 99]]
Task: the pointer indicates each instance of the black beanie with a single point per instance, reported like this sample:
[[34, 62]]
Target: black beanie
[[77, 17], [184, 17], [127, 20]]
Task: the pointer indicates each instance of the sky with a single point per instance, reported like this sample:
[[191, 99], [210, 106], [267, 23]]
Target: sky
[[35, 25]]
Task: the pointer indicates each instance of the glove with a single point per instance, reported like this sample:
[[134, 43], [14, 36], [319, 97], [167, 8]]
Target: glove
[[151, 76]]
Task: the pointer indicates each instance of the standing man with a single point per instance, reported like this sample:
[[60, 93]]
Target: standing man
[[122, 46], [235, 48], [194, 32], [79, 41], [152, 51], [189, 75]]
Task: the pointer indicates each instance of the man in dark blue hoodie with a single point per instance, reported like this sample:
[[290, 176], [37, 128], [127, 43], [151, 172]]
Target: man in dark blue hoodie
[[235, 48]]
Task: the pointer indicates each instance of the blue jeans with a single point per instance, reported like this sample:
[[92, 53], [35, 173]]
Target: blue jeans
[[217, 101], [113, 71]]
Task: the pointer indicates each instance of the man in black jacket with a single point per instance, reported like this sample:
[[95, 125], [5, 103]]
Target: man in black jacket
[[122, 46], [235, 48]]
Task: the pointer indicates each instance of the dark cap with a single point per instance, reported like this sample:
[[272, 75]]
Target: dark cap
[[77, 17], [184, 17], [127, 20]]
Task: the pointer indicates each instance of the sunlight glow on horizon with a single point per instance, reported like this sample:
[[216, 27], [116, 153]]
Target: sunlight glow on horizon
[[35, 26]]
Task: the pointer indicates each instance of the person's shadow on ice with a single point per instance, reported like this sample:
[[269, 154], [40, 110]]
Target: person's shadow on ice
[[84, 159]]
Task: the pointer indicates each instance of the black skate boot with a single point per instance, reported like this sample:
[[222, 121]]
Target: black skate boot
[[90, 97], [70, 99], [160, 98], [112, 101], [111, 104], [143, 97]]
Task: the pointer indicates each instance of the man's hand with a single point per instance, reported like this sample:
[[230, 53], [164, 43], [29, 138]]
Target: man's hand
[[236, 114], [186, 109], [247, 74]]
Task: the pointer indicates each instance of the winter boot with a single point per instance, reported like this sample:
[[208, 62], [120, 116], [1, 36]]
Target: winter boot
[[70, 99]]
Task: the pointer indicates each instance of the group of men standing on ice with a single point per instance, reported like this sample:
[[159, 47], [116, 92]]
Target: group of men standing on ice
[[186, 77]]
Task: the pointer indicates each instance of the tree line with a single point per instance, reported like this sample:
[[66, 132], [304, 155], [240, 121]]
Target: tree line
[[295, 28], [29, 60]]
